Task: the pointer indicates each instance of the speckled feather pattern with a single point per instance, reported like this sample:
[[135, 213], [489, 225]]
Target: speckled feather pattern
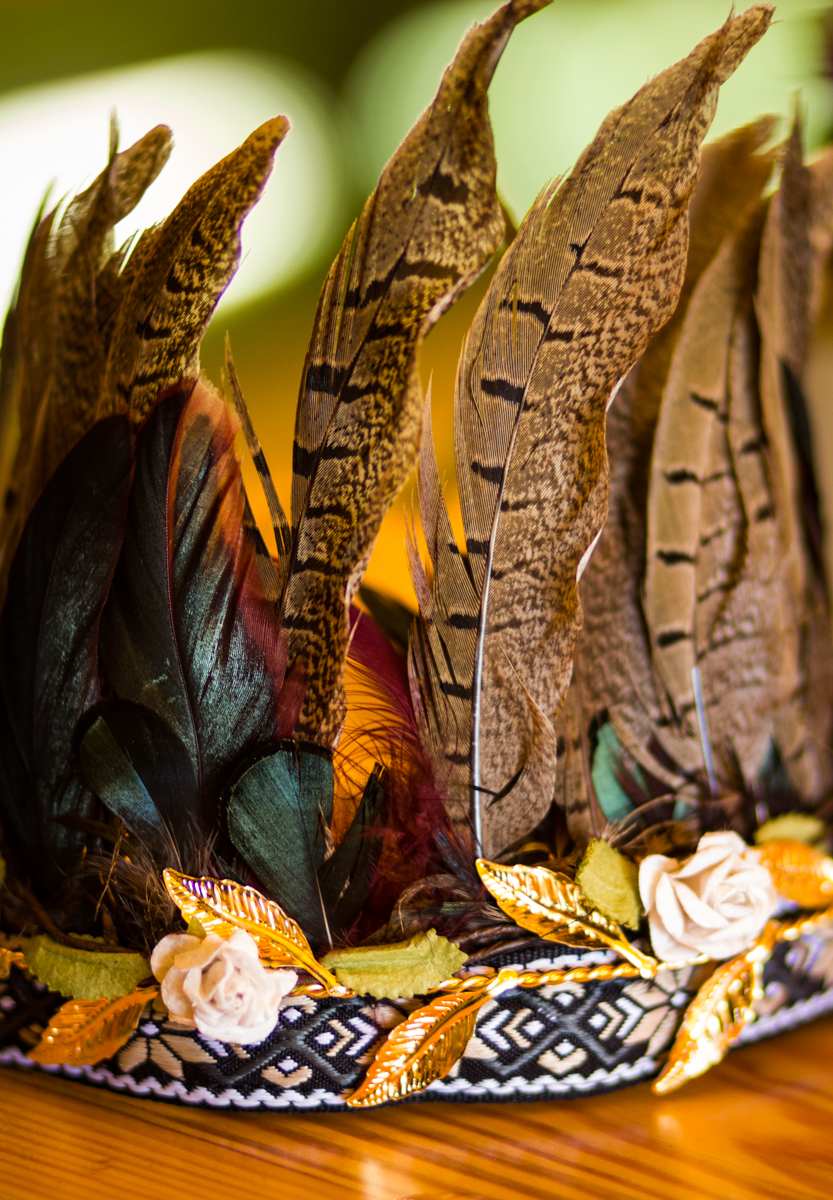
[[427, 231], [596, 267]]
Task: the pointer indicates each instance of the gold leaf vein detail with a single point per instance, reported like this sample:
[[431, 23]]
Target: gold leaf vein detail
[[221, 906], [83, 1032], [719, 1012], [427, 1045], [799, 872], [553, 906]]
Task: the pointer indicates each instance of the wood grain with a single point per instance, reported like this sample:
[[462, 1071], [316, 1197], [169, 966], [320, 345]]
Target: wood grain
[[753, 1129]]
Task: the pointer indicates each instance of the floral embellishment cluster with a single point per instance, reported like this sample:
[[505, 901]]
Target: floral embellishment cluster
[[715, 903], [219, 986]]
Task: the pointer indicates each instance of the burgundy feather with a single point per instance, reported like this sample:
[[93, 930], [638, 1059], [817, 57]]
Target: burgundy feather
[[414, 825]]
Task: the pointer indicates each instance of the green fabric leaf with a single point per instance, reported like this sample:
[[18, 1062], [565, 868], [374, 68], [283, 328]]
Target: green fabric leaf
[[611, 883], [276, 813], [84, 974], [615, 802], [791, 827], [404, 969]]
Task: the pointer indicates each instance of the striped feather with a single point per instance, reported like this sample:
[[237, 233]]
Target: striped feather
[[423, 236], [596, 267], [58, 332], [782, 305]]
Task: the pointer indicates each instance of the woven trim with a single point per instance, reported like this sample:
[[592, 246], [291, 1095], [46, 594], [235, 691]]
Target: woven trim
[[552, 1041], [799, 1013]]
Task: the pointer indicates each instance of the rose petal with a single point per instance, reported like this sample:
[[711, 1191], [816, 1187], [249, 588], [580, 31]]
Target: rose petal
[[667, 947], [733, 842], [698, 912], [651, 870], [243, 944], [168, 949], [715, 903], [200, 954], [702, 862], [173, 996]]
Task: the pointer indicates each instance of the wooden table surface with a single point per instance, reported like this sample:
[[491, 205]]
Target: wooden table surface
[[759, 1127]]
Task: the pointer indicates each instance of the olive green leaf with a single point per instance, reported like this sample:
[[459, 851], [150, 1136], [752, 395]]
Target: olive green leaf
[[404, 969]]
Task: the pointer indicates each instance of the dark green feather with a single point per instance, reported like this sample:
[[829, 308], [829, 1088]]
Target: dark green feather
[[277, 813]]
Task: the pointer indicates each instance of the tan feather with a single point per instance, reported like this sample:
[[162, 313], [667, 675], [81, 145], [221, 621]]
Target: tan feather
[[574, 792], [423, 236], [177, 274], [595, 268], [821, 227], [742, 656], [782, 302], [613, 652], [272, 575], [782, 305], [693, 506], [733, 173], [57, 334]]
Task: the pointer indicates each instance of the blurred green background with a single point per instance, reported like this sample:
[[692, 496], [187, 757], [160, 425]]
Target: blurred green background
[[352, 76]]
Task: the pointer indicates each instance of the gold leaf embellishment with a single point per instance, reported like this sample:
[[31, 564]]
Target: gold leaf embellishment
[[551, 905], [799, 872], [9, 959], [221, 906], [789, 931], [83, 1032], [427, 1045], [718, 1013]]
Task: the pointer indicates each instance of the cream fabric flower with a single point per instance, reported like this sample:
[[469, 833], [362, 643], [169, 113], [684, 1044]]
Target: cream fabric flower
[[220, 986], [714, 903]]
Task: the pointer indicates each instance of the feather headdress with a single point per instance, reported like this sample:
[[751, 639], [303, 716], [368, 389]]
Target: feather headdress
[[172, 697]]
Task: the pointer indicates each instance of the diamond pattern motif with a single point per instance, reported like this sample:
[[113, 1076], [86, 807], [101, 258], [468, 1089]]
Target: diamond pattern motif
[[564, 1040]]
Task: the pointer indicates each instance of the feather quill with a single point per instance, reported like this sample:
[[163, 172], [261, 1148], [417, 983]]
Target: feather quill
[[596, 266]]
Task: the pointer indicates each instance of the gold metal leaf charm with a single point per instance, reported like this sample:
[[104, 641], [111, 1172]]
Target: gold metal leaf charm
[[551, 905], [427, 1045], [83, 1032], [717, 1014], [9, 959], [222, 906], [799, 872]]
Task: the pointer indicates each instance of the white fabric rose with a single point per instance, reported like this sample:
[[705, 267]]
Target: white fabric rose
[[220, 986], [715, 903]]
